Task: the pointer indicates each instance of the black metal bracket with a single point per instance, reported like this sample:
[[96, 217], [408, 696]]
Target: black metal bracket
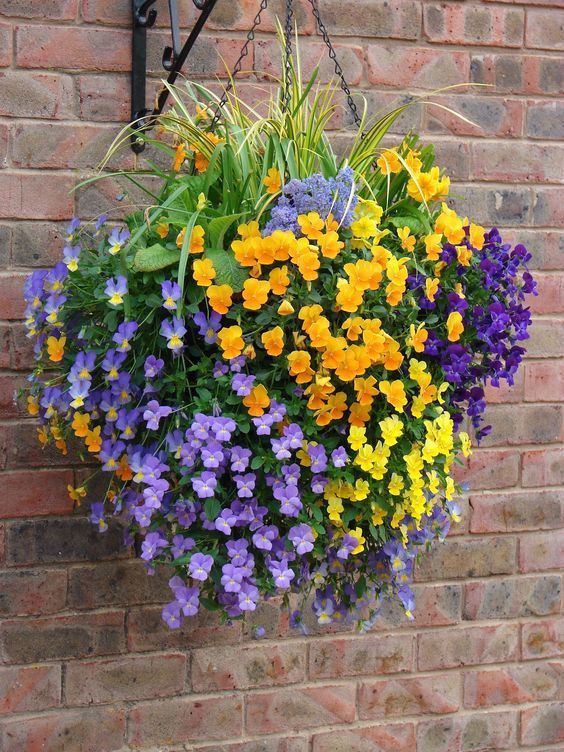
[[174, 57]]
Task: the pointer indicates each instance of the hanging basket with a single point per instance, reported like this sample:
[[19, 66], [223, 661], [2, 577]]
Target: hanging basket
[[274, 360]]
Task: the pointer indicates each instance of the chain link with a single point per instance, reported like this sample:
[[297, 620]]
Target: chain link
[[238, 65], [288, 61], [287, 93], [338, 70]]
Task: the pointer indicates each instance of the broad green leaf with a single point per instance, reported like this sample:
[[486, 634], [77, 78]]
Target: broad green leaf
[[217, 228], [415, 224], [228, 270], [212, 507], [154, 257]]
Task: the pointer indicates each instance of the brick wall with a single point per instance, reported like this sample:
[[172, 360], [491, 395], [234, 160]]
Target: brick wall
[[87, 664]]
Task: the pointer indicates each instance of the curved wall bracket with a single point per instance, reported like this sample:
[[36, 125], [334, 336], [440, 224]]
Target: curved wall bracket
[[174, 57]]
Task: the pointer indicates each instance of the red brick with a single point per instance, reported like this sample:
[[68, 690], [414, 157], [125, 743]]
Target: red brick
[[63, 146], [489, 469], [393, 737], [132, 678], [517, 161], [10, 405], [73, 48], [454, 23], [504, 393], [448, 648], [60, 637], [546, 338], [28, 689], [418, 67], [545, 29], [264, 744], [89, 730], [210, 57], [38, 493], [510, 685], [544, 381], [548, 254], [413, 696], [542, 724], [32, 196], [551, 294], [256, 666], [543, 75], [548, 208], [489, 116], [476, 732], [511, 598], [468, 558], [543, 467], [185, 720], [147, 631], [62, 10], [24, 592], [541, 551], [523, 510], [437, 605], [5, 45], [120, 583], [545, 119], [397, 19], [366, 655], [11, 296], [543, 639], [37, 243], [300, 708]]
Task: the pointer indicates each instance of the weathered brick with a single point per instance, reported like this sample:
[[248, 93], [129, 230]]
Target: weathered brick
[[23, 450], [545, 29], [11, 296], [392, 737], [312, 55], [416, 67], [525, 424], [90, 731], [25, 689], [31, 591], [21, 349], [546, 246], [57, 10], [454, 23], [468, 558], [47, 95], [300, 708], [506, 393], [543, 75], [510, 685], [543, 639], [476, 732], [132, 678], [184, 720], [59, 637], [374, 18], [37, 243], [437, 605], [117, 583], [545, 119], [72, 48], [63, 146], [448, 648], [55, 540], [500, 205], [544, 380], [491, 469], [512, 598], [104, 97], [454, 157], [33, 195], [546, 338], [256, 666], [369, 654], [265, 744], [42, 492], [147, 631], [542, 724], [412, 696], [541, 551], [543, 467], [6, 45], [10, 406], [548, 209], [489, 116], [523, 510], [517, 162]]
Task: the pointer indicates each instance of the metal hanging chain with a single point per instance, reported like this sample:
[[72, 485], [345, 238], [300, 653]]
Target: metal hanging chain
[[338, 70], [287, 93], [238, 65]]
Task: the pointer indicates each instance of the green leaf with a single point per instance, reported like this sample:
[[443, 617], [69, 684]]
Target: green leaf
[[317, 513], [217, 228], [415, 224], [212, 508], [153, 258], [228, 270], [256, 462]]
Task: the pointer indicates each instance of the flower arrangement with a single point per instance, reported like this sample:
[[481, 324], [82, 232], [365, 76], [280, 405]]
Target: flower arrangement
[[274, 362]]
